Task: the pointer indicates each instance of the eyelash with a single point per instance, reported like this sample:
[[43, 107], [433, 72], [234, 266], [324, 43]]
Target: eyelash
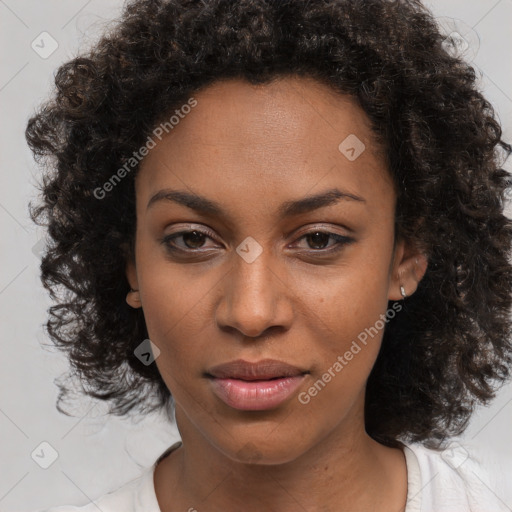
[[340, 240]]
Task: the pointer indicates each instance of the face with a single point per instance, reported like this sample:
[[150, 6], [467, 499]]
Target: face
[[270, 272]]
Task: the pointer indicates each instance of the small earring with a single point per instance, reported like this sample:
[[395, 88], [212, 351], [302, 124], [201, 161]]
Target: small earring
[[402, 291]]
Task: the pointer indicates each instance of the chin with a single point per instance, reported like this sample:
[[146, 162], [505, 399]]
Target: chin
[[262, 450]]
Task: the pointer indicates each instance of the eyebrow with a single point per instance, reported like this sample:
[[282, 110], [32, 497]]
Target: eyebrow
[[287, 209]]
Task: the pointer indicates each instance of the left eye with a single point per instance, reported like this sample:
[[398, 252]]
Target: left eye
[[321, 238]]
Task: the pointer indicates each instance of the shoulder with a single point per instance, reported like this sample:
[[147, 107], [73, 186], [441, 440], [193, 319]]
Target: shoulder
[[460, 477], [134, 496]]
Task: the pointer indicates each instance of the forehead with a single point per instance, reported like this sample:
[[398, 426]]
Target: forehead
[[283, 111], [286, 135]]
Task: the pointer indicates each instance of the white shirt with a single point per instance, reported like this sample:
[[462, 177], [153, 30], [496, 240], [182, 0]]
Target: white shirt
[[452, 480]]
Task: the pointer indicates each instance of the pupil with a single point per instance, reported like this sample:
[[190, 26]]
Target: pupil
[[316, 240], [194, 235]]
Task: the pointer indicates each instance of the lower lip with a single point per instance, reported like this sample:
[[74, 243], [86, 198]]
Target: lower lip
[[257, 395]]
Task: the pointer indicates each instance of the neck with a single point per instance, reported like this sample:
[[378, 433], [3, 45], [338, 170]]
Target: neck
[[345, 470]]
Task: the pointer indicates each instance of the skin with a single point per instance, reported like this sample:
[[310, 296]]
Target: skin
[[251, 148]]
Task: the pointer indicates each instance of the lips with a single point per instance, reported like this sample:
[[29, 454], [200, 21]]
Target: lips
[[265, 369], [256, 386]]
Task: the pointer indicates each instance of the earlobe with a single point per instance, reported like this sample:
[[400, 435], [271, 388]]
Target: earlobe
[[133, 296], [407, 273]]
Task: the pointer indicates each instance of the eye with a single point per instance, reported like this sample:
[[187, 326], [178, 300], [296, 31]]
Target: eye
[[318, 241], [192, 240]]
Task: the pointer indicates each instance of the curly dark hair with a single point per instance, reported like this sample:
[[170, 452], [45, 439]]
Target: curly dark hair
[[448, 349]]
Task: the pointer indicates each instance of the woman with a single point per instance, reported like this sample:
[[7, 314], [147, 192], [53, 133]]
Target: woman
[[283, 222]]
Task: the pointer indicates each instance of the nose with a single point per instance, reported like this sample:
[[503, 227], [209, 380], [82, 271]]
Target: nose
[[256, 297]]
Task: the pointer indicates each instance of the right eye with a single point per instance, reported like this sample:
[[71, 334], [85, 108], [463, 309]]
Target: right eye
[[192, 239]]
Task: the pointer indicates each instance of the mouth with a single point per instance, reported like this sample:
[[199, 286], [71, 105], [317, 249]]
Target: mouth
[[256, 386]]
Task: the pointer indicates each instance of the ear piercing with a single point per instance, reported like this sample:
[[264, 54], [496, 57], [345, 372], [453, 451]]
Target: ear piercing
[[402, 289]]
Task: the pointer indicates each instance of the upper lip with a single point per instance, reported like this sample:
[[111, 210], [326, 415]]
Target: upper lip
[[260, 370]]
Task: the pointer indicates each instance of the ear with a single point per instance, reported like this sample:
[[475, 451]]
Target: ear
[[408, 268], [132, 298]]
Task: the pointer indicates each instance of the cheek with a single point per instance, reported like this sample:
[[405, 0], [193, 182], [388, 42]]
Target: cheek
[[344, 351], [175, 310], [169, 291], [351, 296], [349, 314], [350, 307]]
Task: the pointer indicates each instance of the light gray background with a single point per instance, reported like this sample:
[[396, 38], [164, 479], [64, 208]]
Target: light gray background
[[96, 455]]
